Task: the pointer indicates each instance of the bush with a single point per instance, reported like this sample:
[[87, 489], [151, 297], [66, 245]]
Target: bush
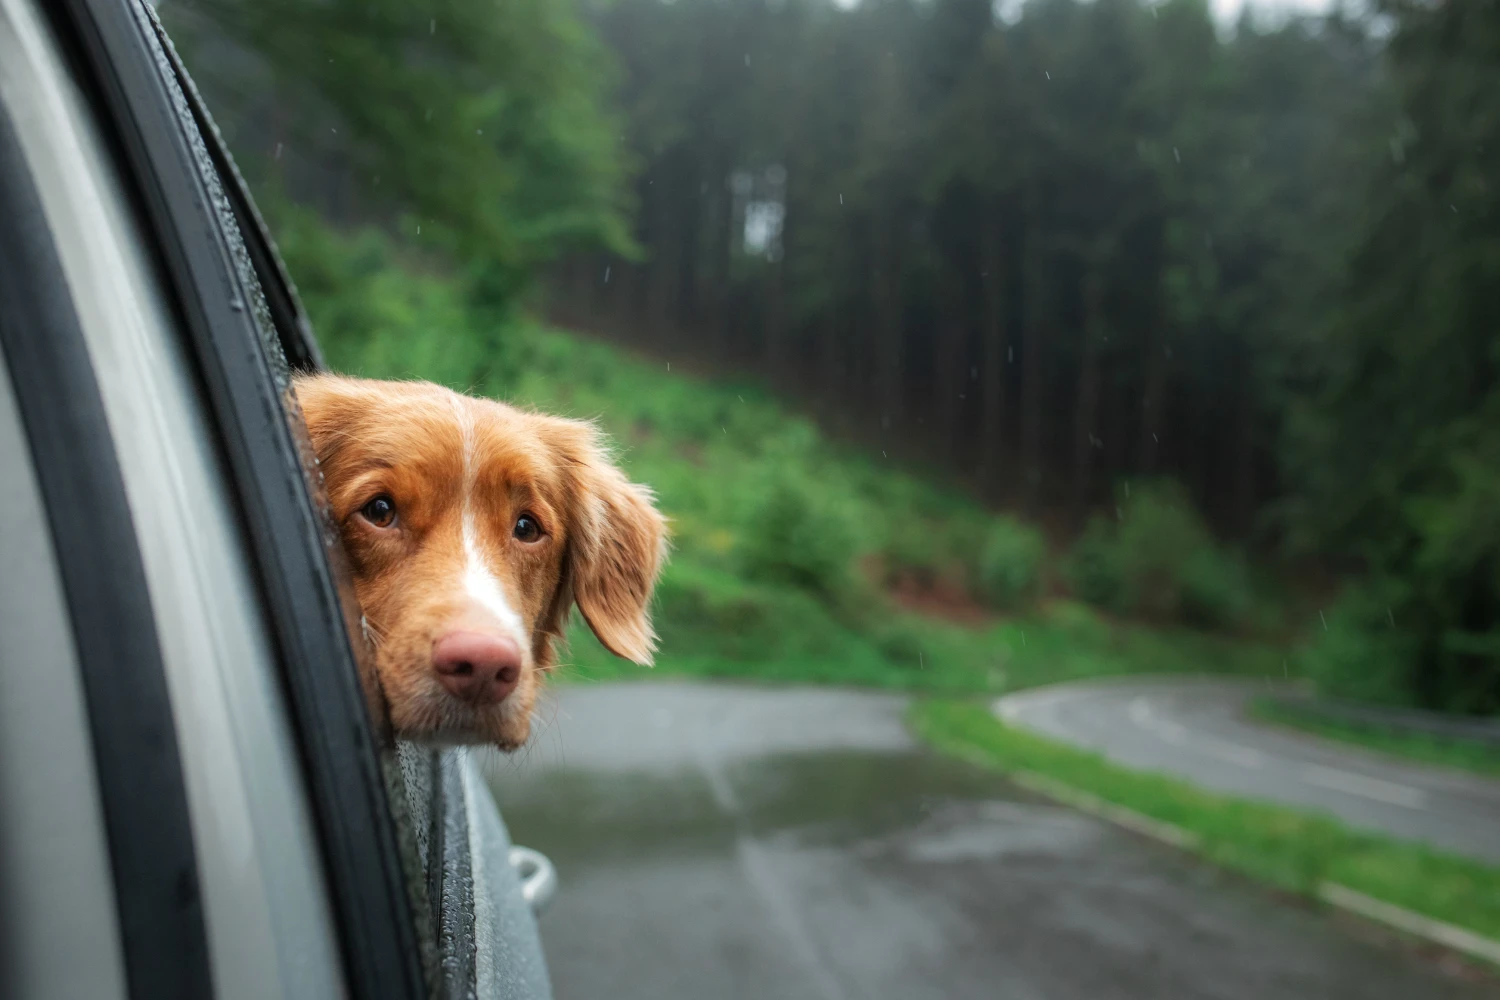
[[1215, 590], [1159, 561], [1009, 570], [1092, 568], [800, 532], [1358, 649]]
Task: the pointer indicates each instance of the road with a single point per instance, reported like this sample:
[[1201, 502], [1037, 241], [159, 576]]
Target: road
[[733, 843], [1195, 728]]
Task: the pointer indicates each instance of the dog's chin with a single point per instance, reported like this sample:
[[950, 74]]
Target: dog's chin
[[455, 723]]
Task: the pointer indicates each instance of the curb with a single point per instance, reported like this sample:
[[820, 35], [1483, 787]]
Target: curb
[[1447, 935], [1429, 929]]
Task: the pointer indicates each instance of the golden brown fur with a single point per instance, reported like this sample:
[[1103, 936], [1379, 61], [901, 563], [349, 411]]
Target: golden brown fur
[[460, 472]]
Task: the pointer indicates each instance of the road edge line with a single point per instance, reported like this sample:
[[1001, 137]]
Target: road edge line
[[1429, 929], [1449, 936]]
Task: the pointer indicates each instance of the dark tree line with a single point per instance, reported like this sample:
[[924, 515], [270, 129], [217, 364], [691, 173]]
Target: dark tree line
[[1048, 255]]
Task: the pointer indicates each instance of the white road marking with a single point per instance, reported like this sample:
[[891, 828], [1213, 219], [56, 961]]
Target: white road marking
[[1142, 716], [1359, 784], [1177, 734]]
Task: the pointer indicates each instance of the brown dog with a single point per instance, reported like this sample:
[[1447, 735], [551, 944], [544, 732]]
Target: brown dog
[[472, 528]]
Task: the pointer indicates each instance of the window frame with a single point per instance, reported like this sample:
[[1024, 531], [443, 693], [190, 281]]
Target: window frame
[[229, 294]]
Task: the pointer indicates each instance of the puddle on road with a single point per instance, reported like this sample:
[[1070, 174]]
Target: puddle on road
[[926, 807]]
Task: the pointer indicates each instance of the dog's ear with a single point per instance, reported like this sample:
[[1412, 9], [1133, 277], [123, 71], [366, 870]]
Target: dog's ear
[[617, 545], [330, 405]]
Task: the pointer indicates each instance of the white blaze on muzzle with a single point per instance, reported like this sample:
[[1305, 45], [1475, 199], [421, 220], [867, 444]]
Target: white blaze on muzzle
[[479, 583]]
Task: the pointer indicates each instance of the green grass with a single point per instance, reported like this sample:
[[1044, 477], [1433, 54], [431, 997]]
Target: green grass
[[1458, 754], [1291, 850], [784, 543]]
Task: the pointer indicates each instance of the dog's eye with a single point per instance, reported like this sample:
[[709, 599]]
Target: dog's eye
[[527, 530], [380, 512]]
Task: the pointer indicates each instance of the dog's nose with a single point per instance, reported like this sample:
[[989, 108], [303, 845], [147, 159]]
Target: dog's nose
[[477, 667]]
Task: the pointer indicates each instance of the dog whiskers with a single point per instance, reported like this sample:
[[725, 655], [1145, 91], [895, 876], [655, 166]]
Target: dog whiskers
[[372, 633]]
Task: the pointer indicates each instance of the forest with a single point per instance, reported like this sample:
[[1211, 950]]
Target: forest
[[1058, 255]]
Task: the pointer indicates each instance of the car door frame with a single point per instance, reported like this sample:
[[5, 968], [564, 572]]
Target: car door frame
[[215, 280]]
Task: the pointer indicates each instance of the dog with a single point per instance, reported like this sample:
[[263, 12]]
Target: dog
[[472, 528]]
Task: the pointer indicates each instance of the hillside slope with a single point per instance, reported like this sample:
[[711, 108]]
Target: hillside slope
[[794, 560]]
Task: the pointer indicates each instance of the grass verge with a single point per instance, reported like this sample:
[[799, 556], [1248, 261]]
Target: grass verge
[[1463, 756], [1291, 850]]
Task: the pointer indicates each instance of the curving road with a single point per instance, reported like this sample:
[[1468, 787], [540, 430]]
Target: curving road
[[740, 843], [1196, 729]]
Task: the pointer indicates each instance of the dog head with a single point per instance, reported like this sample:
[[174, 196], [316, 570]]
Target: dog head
[[472, 528]]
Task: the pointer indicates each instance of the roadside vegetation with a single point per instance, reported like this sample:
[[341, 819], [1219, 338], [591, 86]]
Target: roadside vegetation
[[1292, 850], [1464, 755]]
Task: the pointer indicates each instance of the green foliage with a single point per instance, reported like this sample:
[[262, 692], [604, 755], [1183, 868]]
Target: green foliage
[[1158, 559], [1011, 563], [1216, 589], [799, 531], [1294, 851], [484, 122], [1357, 650], [1393, 452]]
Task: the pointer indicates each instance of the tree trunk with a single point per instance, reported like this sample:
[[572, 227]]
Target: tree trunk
[[950, 374], [1242, 475], [885, 310], [1033, 369], [993, 351], [774, 356], [1154, 394], [1086, 398]]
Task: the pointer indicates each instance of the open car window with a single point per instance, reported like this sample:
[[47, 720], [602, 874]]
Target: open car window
[[245, 335]]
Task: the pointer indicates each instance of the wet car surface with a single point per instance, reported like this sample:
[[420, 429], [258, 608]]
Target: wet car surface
[[745, 842]]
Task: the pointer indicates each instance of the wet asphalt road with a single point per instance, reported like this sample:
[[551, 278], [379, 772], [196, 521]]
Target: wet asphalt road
[[724, 842], [1195, 728]]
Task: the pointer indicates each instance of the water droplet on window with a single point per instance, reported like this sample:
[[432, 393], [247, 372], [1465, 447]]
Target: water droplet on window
[[606, 281], [432, 26], [1176, 155]]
